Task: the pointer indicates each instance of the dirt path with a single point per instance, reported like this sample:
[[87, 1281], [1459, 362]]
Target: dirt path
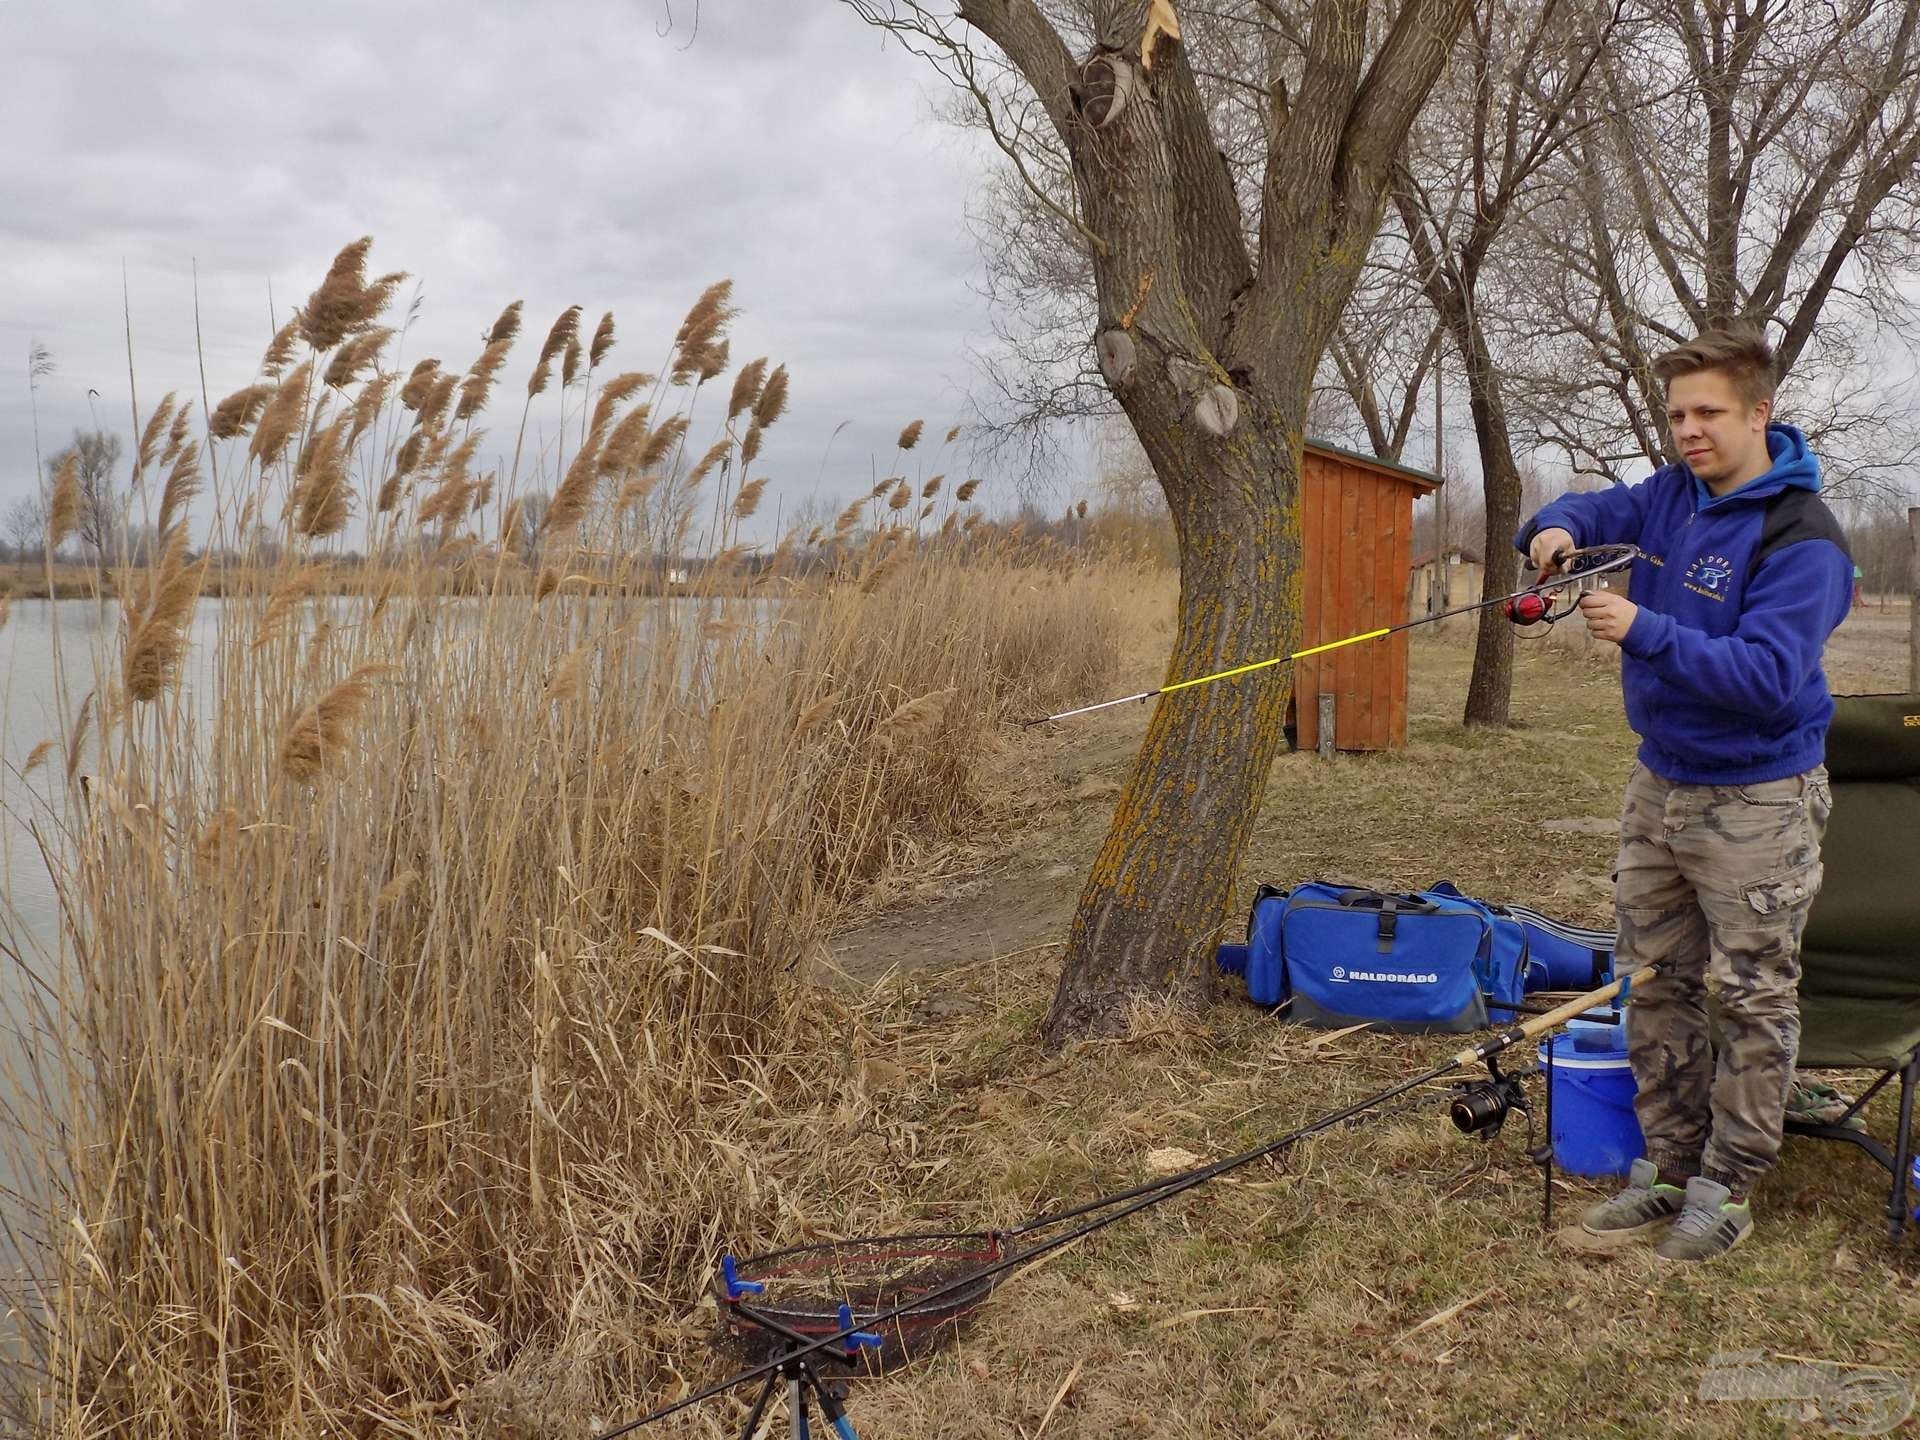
[[1058, 793]]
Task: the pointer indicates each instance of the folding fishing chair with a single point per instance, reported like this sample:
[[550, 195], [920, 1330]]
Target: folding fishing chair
[[1860, 956]]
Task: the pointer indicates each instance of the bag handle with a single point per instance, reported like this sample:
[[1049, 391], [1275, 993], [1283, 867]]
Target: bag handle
[[1406, 903], [1392, 907]]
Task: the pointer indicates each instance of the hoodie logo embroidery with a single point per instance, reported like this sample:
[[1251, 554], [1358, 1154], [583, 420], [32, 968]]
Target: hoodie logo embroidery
[[1708, 576]]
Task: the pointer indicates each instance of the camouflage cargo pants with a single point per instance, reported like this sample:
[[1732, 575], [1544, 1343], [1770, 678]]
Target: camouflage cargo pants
[[1715, 881]]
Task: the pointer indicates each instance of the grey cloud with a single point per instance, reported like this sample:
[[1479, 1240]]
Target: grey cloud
[[498, 151]]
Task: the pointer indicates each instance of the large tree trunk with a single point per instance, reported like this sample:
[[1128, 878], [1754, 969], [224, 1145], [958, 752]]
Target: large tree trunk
[[1490, 691], [1211, 348], [1151, 908]]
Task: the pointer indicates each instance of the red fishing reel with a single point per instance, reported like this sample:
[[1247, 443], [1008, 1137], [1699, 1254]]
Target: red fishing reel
[[1554, 597], [1528, 608]]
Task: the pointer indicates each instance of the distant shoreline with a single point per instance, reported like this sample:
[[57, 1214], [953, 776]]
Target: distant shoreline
[[82, 582]]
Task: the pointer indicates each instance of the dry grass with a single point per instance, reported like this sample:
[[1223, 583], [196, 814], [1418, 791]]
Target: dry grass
[[429, 997], [1318, 1296]]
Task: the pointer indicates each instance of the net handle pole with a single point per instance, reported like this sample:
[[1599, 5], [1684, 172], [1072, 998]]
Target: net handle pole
[[1175, 1185]]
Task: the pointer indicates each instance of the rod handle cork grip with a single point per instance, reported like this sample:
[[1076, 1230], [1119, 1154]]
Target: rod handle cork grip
[[1553, 1019]]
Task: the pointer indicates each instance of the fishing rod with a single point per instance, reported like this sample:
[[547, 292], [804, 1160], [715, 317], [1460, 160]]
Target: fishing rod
[[849, 1334], [1580, 570]]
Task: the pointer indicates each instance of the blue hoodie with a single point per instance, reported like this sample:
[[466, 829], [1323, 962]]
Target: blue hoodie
[[1737, 595]]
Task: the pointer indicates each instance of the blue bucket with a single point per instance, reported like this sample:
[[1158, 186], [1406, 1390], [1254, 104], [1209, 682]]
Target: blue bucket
[[1595, 1131]]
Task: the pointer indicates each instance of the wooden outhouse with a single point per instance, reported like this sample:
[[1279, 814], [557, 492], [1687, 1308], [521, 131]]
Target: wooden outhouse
[[1356, 534]]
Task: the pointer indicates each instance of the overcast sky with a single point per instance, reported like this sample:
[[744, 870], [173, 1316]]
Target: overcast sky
[[498, 151]]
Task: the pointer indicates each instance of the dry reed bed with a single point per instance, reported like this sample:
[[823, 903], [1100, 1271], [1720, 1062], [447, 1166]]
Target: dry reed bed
[[430, 990]]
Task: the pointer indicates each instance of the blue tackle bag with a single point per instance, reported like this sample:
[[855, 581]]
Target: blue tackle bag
[[1430, 960]]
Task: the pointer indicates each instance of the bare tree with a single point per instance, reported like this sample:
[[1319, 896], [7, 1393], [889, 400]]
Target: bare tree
[[1211, 325], [25, 524], [1778, 185], [98, 453], [1477, 162], [533, 514]]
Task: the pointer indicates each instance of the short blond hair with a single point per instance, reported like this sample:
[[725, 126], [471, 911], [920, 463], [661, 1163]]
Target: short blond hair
[[1742, 355]]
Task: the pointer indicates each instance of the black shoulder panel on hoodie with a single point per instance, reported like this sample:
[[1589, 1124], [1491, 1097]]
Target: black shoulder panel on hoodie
[[1795, 515]]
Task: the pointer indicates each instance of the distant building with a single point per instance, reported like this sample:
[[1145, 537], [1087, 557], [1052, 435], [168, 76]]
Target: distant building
[[1441, 582]]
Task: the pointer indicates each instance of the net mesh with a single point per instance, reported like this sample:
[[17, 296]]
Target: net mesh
[[804, 1288]]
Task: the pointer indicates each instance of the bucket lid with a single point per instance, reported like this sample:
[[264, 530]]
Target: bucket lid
[[1609, 1054]]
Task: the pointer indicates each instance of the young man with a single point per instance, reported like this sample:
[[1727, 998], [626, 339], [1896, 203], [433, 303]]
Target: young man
[[1745, 575]]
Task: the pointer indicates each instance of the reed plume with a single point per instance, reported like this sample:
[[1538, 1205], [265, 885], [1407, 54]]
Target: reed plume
[[320, 492], [507, 326], [238, 411], [602, 341], [916, 716], [698, 347], [616, 391], [566, 328], [1081, 509], [902, 493], [179, 435], [750, 447], [575, 495], [883, 486], [183, 483], [367, 405], [661, 441], [773, 399], [570, 361], [910, 436], [63, 511], [419, 384], [713, 360], [849, 517], [158, 639], [344, 302], [953, 434], [357, 354], [319, 734], [931, 488], [433, 409], [746, 386], [150, 437], [283, 415], [626, 443], [748, 500], [965, 492], [564, 683], [280, 348], [716, 452]]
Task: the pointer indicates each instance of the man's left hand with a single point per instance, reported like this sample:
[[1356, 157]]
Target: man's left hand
[[1608, 616]]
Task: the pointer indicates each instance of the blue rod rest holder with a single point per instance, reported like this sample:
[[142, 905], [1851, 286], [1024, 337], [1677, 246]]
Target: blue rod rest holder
[[859, 1339], [736, 1287]]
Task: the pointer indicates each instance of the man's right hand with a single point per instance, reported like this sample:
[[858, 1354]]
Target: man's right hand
[[1547, 548]]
